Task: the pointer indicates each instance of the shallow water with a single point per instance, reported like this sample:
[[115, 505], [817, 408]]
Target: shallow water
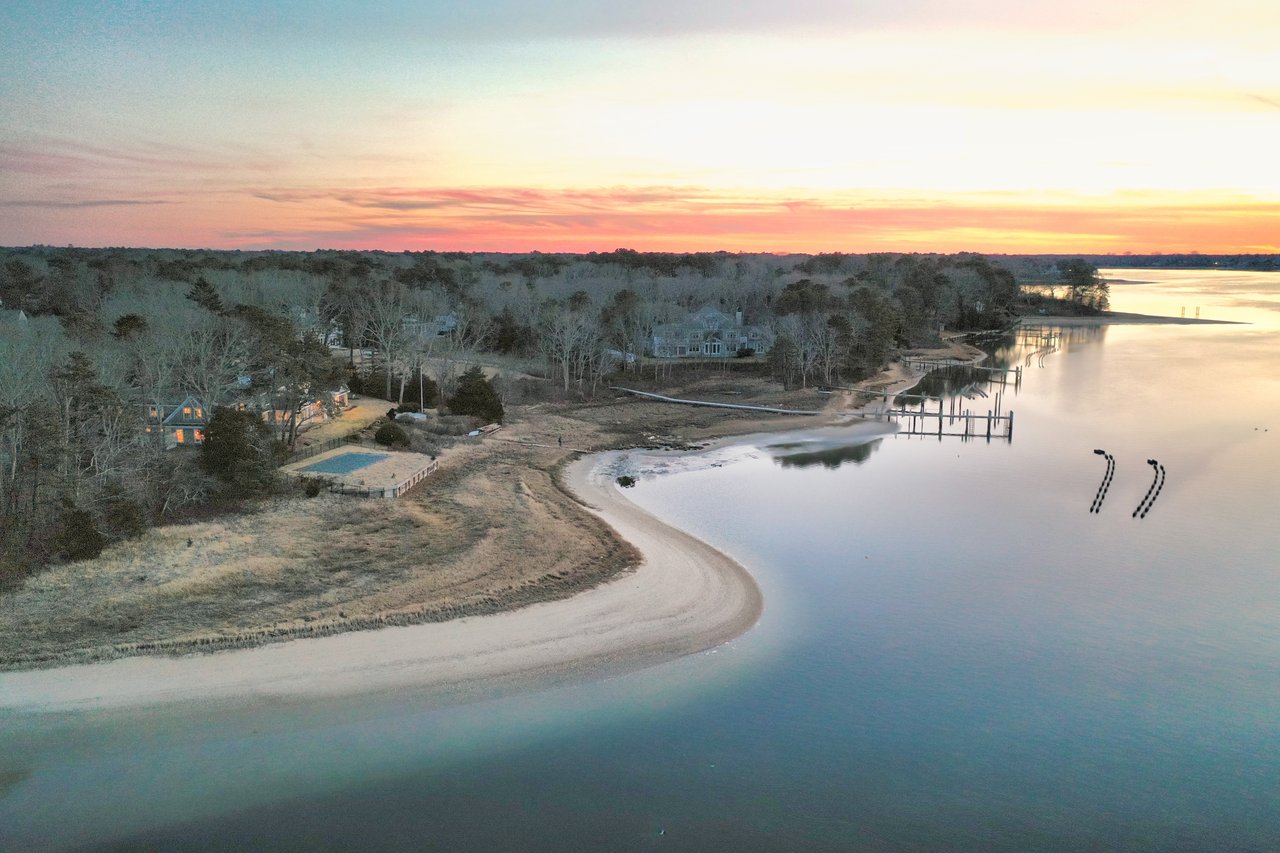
[[955, 652]]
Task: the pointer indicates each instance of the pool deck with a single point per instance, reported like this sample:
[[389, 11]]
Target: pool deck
[[389, 473]]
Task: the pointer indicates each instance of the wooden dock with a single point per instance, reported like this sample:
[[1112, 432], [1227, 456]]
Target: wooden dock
[[1003, 373], [952, 421]]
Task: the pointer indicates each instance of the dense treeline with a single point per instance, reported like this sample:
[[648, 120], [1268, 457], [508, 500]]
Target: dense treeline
[[91, 339], [94, 356]]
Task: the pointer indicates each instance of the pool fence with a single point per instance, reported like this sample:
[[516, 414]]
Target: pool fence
[[326, 446], [386, 491]]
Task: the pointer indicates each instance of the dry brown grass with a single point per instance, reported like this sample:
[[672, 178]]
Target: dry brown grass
[[493, 529], [472, 540]]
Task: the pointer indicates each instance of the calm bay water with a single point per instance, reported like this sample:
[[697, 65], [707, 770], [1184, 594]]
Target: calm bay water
[[955, 653]]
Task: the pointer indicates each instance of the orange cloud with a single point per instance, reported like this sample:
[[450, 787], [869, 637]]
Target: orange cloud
[[666, 218], [690, 219]]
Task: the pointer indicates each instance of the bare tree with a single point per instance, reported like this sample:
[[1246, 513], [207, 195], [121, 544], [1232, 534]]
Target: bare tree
[[386, 313], [210, 357], [562, 333]]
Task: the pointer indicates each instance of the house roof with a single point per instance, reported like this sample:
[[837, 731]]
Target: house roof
[[179, 417]]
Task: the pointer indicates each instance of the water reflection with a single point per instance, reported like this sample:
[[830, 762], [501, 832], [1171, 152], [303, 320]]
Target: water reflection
[[1239, 296], [831, 457], [959, 381]]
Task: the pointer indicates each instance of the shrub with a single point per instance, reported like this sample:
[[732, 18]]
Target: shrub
[[626, 481], [390, 434], [425, 443], [449, 425], [311, 487], [129, 326], [80, 538], [125, 517]]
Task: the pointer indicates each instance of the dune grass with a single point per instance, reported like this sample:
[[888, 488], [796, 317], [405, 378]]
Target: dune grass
[[467, 542], [492, 530]]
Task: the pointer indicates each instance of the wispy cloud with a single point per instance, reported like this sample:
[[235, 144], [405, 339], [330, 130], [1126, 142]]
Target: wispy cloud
[[692, 218], [62, 157], [507, 198], [93, 202]]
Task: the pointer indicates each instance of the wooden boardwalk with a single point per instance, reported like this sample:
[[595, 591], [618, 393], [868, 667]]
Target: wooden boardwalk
[[739, 406]]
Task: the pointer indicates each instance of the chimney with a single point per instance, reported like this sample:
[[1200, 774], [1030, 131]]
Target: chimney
[[737, 316]]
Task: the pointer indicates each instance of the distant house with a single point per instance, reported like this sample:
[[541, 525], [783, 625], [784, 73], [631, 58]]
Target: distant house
[[310, 322], [178, 425], [183, 424], [709, 333], [308, 410], [423, 330], [315, 409]]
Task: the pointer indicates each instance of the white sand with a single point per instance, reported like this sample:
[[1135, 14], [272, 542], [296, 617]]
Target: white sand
[[685, 597]]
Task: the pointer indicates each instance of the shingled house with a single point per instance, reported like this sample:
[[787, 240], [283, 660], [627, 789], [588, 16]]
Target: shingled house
[[709, 333], [179, 425], [183, 424]]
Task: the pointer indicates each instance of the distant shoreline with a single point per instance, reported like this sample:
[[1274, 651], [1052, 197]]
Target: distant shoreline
[[1120, 318]]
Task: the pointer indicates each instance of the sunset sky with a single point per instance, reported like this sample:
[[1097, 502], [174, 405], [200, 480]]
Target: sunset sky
[[744, 125]]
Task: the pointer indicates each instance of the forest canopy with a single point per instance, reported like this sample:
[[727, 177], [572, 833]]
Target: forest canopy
[[95, 344]]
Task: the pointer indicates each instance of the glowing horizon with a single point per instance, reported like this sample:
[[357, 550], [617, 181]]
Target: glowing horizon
[[1010, 127]]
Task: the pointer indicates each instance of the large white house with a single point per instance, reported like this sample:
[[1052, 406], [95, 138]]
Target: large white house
[[709, 333]]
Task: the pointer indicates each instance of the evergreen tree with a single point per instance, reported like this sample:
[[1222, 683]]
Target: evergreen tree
[[205, 295], [476, 396], [238, 450], [128, 327]]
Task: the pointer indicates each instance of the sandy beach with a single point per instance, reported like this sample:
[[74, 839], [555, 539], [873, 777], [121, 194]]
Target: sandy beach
[[512, 612], [685, 597]]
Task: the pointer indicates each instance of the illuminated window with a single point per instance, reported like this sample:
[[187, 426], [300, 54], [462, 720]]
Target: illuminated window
[[199, 436], [186, 410], [154, 413], [177, 434], [199, 413]]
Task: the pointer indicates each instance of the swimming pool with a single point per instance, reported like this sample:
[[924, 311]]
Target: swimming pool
[[344, 463]]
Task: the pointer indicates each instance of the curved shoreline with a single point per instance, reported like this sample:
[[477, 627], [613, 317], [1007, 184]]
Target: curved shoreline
[[685, 597]]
